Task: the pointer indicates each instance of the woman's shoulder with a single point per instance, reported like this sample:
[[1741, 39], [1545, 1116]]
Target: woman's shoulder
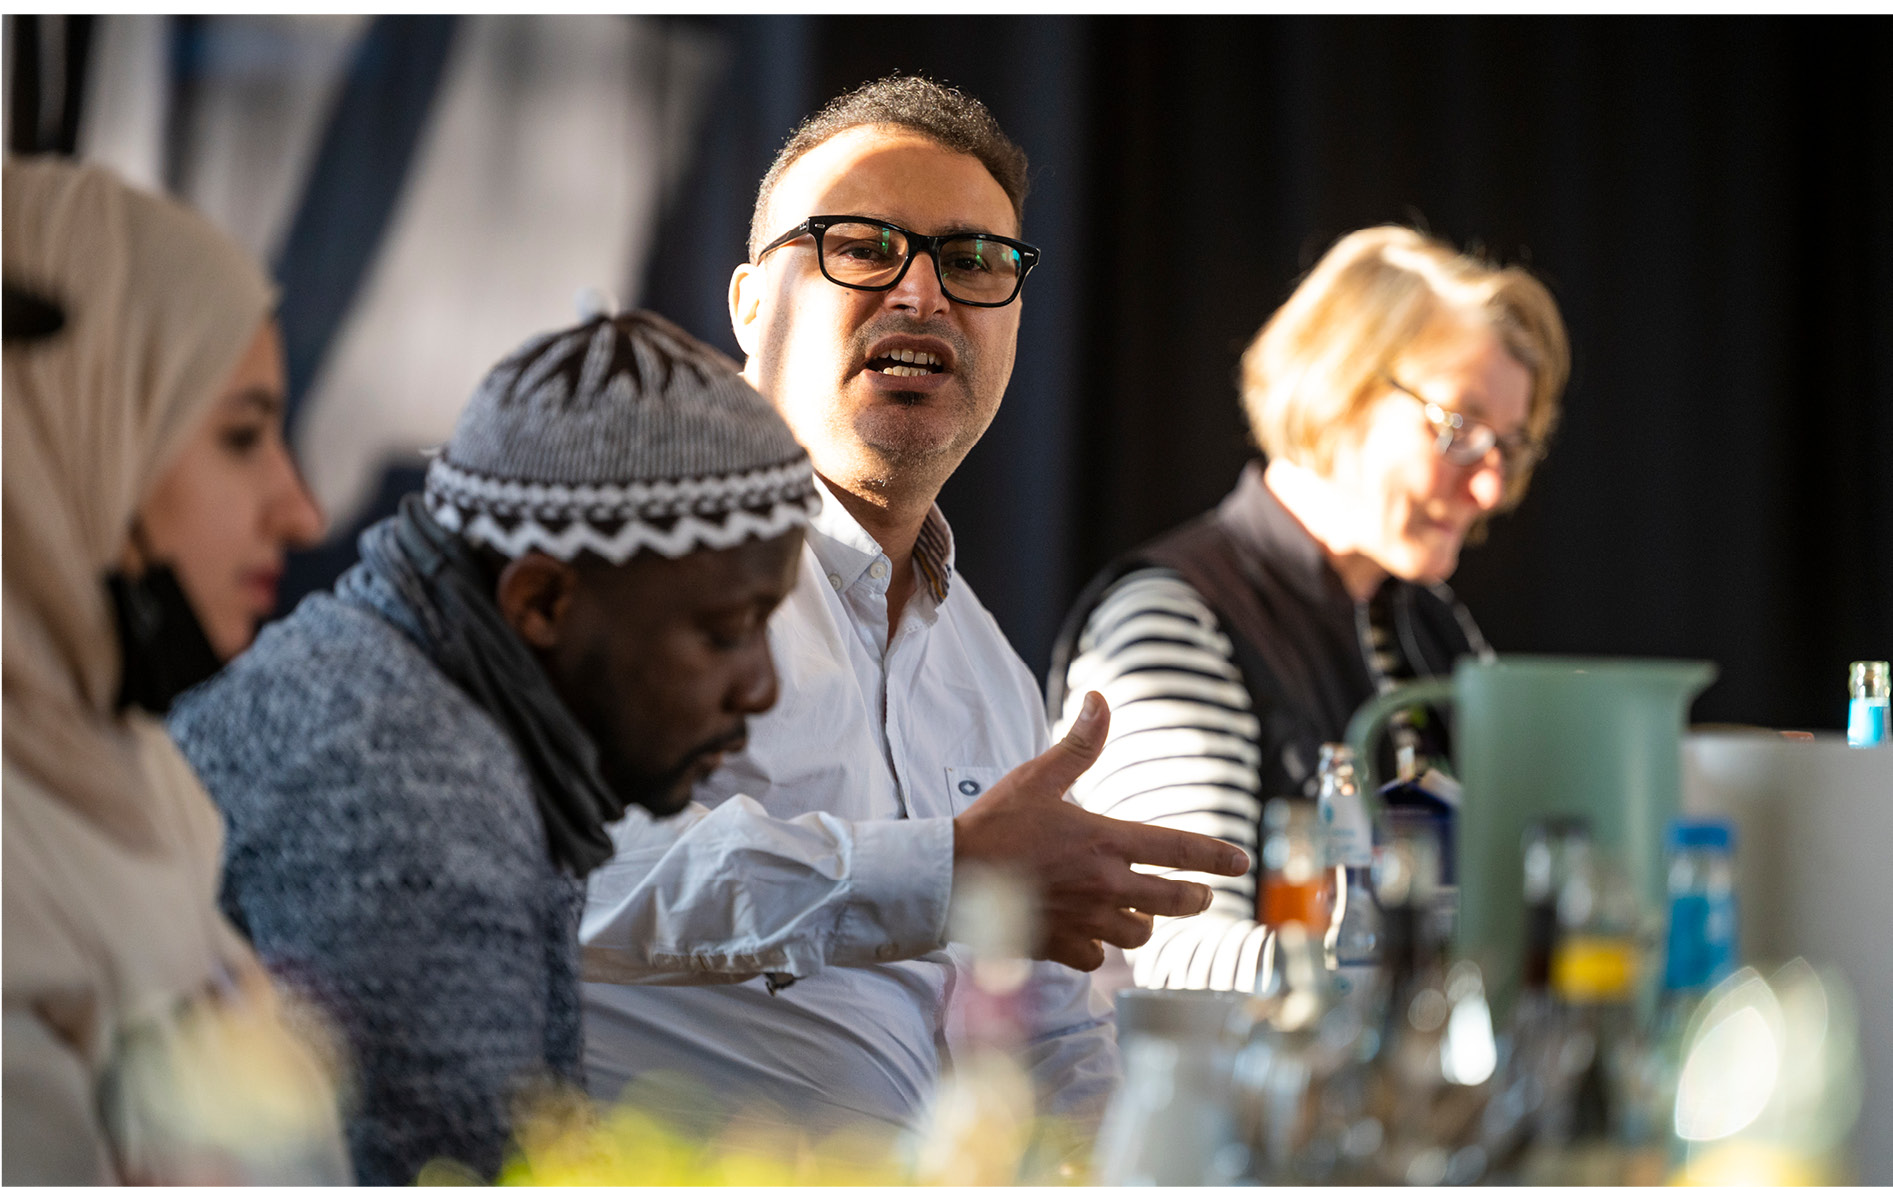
[[1152, 589]]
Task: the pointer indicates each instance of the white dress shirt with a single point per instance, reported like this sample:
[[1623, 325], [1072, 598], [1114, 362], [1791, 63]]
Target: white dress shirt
[[825, 851]]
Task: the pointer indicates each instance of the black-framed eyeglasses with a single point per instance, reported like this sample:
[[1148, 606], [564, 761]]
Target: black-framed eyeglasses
[[871, 255], [1466, 442]]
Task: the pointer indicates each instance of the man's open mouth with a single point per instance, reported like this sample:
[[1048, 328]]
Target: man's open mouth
[[907, 362]]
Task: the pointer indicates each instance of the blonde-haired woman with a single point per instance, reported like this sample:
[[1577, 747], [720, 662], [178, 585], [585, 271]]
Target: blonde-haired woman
[[1402, 395], [148, 501]]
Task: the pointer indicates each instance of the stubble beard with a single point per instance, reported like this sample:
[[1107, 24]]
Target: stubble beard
[[666, 793], [872, 442], [627, 779], [893, 454]]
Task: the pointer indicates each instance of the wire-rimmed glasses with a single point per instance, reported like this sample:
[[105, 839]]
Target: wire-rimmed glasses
[[1466, 442]]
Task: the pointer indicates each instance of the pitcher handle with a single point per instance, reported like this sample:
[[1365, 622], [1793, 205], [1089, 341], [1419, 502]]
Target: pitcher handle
[[1364, 728]]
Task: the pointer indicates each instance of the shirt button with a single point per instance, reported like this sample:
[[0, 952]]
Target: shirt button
[[877, 570], [886, 951], [834, 582], [969, 787]]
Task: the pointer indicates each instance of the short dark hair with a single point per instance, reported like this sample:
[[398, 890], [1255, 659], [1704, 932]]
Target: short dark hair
[[945, 115]]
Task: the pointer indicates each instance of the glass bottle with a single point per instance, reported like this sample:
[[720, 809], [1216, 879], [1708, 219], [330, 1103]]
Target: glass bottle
[[1294, 894], [1433, 1053], [1171, 1119], [1701, 951], [1532, 1042], [980, 1126], [1702, 947], [1553, 847], [1426, 791], [1867, 682], [1351, 943], [1283, 1059], [1594, 971]]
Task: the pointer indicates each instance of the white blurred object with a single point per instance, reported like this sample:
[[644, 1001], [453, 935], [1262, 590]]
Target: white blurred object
[[261, 106], [1812, 862], [1770, 1087], [127, 97], [1733, 1066], [591, 302], [1170, 1120], [1469, 1052], [979, 1127], [226, 1090]]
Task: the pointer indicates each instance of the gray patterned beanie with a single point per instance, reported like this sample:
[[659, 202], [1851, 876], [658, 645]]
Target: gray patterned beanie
[[617, 435]]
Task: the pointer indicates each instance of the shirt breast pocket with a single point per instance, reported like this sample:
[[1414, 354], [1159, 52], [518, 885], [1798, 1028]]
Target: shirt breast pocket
[[965, 785]]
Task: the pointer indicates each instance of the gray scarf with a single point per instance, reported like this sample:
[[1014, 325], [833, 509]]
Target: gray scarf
[[425, 580]]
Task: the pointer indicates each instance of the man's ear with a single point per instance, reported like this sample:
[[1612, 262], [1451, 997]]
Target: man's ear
[[535, 595], [745, 305]]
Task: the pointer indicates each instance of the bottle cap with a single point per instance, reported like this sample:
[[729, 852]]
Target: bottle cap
[[1867, 678], [1548, 844], [1702, 832], [1336, 763]]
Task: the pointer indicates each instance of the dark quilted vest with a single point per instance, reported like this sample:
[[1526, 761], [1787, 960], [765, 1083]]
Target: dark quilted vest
[[1292, 625]]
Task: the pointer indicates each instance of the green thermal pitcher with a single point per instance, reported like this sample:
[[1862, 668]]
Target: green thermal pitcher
[[1538, 736]]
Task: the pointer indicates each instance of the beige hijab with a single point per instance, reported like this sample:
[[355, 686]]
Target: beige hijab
[[160, 306], [123, 984]]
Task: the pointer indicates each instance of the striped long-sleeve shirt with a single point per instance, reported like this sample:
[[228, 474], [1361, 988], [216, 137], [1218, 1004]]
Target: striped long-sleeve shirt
[[1182, 752]]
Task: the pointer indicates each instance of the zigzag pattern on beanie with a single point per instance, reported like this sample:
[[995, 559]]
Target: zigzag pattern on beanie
[[615, 436]]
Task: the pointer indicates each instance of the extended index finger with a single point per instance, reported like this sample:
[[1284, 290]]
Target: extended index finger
[[1155, 845]]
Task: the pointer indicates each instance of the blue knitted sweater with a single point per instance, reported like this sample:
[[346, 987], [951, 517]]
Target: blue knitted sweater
[[386, 857]]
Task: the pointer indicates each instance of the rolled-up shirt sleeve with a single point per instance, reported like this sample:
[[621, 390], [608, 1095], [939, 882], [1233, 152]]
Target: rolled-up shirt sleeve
[[728, 893]]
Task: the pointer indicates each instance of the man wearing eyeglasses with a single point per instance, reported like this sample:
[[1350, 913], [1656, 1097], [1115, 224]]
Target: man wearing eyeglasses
[[879, 309]]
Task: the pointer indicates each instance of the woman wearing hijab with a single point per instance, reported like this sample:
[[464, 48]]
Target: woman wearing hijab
[[148, 503], [1402, 395]]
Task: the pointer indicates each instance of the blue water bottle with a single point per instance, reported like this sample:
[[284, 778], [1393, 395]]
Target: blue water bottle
[[1867, 703], [1703, 945], [1702, 951]]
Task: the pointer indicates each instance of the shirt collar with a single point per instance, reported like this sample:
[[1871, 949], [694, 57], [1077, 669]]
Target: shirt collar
[[846, 550], [933, 553]]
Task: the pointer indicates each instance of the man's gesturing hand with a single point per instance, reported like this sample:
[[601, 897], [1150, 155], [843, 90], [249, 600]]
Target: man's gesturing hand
[[1080, 862]]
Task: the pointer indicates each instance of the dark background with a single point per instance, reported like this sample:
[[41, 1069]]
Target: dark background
[[1710, 200]]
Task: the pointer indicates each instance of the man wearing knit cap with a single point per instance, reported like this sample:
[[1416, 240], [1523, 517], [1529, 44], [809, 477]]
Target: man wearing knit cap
[[879, 310], [417, 770]]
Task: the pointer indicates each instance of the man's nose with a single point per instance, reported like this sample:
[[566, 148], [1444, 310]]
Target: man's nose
[[756, 685], [919, 290]]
